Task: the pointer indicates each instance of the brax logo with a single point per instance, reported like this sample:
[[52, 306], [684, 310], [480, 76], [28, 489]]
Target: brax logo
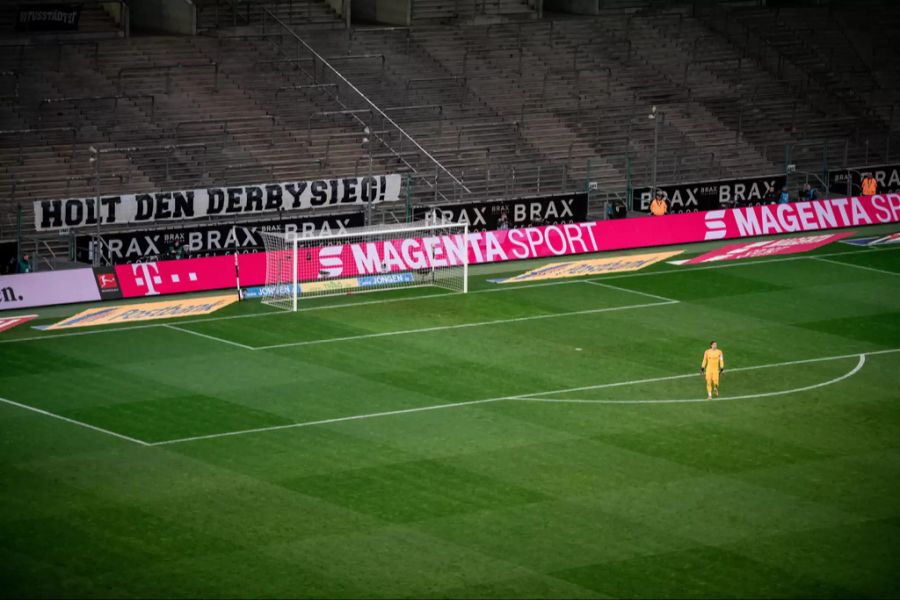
[[147, 275], [715, 226]]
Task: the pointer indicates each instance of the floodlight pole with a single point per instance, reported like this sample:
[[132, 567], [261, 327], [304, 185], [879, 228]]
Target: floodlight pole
[[656, 120]]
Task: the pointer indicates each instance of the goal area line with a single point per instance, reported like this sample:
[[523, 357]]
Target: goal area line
[[438, 294], [658, 301]]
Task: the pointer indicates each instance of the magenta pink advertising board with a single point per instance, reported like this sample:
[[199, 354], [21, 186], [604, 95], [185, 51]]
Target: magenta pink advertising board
[[171, 277]]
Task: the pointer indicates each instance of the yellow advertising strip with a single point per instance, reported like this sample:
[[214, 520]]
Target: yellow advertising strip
[[330, 285], [596, 266], [131, 313]]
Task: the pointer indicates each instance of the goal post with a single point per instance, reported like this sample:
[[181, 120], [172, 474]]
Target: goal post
[[365, 259]]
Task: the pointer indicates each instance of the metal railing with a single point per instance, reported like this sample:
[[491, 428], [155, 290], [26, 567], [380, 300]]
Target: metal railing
[[351, 98], [167, 69], [410, 83], [225, 125], [38, 131], [57, 45], [301, 88], [42, 104], [332, 113]]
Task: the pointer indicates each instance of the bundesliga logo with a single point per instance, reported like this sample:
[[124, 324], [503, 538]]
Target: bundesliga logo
[[107, 281]]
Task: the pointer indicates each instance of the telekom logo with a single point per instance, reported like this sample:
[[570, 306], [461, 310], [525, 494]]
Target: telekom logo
[[147, 275], [715, 225]]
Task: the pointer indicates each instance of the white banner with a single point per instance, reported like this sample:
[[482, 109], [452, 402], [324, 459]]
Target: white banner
[[216, 201], [26, 290]]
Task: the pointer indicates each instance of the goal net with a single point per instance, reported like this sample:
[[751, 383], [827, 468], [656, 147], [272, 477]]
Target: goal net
[[365, 259]]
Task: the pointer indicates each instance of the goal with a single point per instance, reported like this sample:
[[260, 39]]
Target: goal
[[365, 259]]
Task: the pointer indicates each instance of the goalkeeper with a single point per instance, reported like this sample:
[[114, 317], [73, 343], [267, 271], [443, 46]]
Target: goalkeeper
[[713, 364]]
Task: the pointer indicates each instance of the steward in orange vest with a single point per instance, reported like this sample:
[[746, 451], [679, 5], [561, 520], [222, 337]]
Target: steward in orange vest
[[659, 206], [869, 185]]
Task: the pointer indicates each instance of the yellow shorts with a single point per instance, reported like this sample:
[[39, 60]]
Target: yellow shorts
[[712, 377]]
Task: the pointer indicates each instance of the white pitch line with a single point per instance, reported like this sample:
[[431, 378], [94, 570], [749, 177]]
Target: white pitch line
[[77, 333], [367, 336], [854, 371], [844, 264], [748, 263], [621, 289], [326, 421], [489, 400], [730, 370], [74, 422], [209, 337], [741, 263]]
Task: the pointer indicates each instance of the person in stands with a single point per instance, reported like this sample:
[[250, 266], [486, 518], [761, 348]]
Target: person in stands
[[869, 185], [616, 209], [807, 193], [24, 265], [659, 206], [784, 197], [813, 194], [178, 250]]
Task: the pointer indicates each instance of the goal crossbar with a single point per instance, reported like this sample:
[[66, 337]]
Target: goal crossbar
[[299, 267]]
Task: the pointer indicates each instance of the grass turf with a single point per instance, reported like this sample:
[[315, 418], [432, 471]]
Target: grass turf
[[792, 494]]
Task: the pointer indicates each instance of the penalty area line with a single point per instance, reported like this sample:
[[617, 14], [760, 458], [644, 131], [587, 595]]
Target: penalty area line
[[208, 337], [852, 266], [387, 413], [360, 417], [47, 413], [365, 336], [621, 289], [851, 373]]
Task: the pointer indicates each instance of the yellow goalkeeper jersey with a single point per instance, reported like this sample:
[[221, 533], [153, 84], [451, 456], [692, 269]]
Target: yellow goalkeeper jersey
[[713, 360]]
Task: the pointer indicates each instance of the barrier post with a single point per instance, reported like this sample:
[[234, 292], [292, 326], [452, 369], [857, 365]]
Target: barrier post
[[587, 177], [435, 183], [787, 158], [629, 188], [18, 234], [409, 217], [96, 159]]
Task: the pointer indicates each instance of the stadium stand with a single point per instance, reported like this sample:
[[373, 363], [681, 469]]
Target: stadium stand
[[471, 101]]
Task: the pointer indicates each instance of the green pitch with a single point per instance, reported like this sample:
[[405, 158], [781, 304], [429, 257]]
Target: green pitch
[[531, 441]]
